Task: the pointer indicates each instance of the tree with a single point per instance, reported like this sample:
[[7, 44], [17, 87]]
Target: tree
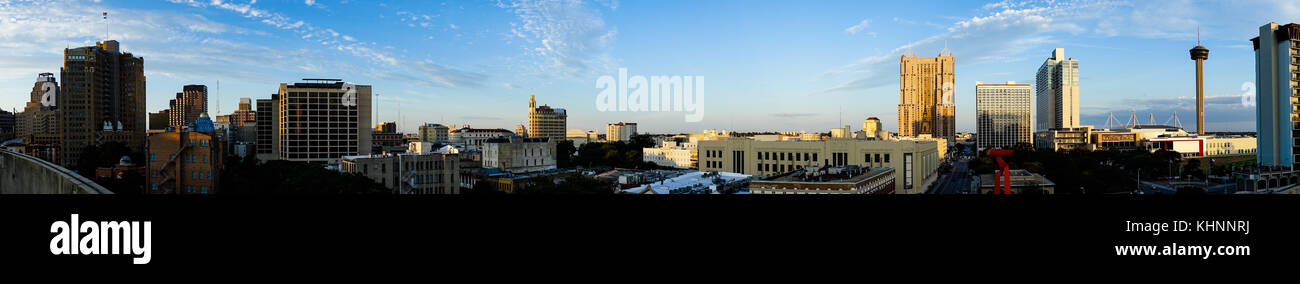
[[564, 152]]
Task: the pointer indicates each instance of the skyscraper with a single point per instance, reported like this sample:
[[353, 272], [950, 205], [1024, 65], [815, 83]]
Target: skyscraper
[[1004, 114], [320, 121], [1277, 51], [925, 104], [188, 104], [38, 124], [1058, 92], [546, 122], [102, 99]]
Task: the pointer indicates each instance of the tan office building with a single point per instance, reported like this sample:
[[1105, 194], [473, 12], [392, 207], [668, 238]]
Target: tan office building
[[916, 161], [319, 121], [107, 102], [926, 90], [433, 132], [185, 160], [188, 104], [1004, 114], [413, 173], [621, 131], [519, 155], [1058, 92], [546, 122], [38, 124]]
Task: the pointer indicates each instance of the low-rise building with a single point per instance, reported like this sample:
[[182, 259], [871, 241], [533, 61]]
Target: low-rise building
[[916, 161], [519, 155], [672, 154], [474, 138], [436, 172], [1022, 182], [1204, 145], [696, 183], [1058, 139], [185, 160], [433, 132], [828, 180]]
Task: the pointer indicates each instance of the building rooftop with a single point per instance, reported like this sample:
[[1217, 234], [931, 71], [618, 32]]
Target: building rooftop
[[829, 174], [693, 180]]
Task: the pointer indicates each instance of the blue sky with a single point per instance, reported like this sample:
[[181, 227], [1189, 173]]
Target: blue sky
[[769, 65]]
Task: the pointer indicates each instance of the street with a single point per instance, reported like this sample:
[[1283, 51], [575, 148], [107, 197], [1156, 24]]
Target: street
[[956, 183]]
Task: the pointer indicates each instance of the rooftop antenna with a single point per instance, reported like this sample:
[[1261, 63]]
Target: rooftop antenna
[[218, 97], [1198, 35], [106, 37], [945, 48]]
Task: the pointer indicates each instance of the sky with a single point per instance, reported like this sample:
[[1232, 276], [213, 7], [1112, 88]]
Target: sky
[[767, 65]]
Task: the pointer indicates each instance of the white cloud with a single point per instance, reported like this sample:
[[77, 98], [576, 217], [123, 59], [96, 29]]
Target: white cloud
[[429, 73], [569, 37], [858, 27]]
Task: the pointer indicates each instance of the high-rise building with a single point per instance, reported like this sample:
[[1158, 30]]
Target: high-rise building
[[1005, 115], [621, 131], [1277, 53], [38, 124], [160, 120], [433, 132], [265, 129], [101, 100], [926, 90], [386, 127], [1058, 92], [242, 116], [521, 130], [7, 121], [185, 160], [188, 104], [318, 121], [546, 122]]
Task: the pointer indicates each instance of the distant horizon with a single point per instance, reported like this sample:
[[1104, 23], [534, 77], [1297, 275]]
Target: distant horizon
[[476, 63]]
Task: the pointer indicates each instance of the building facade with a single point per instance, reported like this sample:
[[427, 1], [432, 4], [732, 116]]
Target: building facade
[[1004, 114], [433, 132], [546, 122], [38, 125], [265, 133], [1058, 92], [519, 155], [188, 104], [621, 131], [672, 154], [1059, 139], [321, 121], [1277, 81], [101, 99], [916, 162], [828, 180], [926, 87], [185, 160], [412, 173], [475, 138]]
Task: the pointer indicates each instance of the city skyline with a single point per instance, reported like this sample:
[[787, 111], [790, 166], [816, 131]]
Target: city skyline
[[451, 63]]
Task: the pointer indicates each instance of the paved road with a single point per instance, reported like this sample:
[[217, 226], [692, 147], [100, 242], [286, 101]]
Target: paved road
[[956, 183]]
